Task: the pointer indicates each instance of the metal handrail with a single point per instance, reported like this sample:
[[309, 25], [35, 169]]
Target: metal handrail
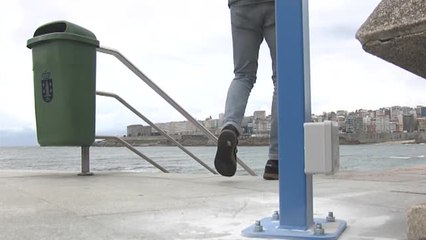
[[166, 97], [122, 101], [131, 148]]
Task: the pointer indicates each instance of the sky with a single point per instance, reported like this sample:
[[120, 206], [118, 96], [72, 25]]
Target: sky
[[185, 47]]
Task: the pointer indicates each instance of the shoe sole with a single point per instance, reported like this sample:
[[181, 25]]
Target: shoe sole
[[225, 161], [270, 176]]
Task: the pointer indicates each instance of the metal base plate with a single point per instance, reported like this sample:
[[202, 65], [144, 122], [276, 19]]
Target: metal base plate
[[332, 230]]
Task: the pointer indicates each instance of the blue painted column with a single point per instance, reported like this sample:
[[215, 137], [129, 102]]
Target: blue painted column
[[295, 219], [294, 109]]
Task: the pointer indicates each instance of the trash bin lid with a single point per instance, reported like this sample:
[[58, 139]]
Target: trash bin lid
[[62, 30]]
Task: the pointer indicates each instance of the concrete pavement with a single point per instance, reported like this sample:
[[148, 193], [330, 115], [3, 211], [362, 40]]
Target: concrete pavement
[[117, 205]]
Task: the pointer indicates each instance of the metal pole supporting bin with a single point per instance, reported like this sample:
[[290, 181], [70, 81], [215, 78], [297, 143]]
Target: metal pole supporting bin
[[64, 66]]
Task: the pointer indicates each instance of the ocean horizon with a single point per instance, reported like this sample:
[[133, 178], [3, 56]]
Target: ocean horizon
[[365, 157]]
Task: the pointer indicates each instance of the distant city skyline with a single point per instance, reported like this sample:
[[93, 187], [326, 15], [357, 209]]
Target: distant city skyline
[[27, 137], [317, 114], [385, 119]]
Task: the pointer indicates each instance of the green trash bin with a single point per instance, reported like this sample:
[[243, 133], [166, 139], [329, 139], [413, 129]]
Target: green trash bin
[[64, 67]]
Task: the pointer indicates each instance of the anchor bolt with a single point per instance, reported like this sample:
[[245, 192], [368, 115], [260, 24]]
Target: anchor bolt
[[258, 226], [275, 216], [318, 229], [330, 217]]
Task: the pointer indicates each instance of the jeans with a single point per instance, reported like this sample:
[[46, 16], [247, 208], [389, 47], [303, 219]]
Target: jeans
[[250, 25]]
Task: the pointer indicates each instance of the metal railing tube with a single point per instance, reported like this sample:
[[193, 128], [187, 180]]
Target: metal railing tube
[[122, 101], [131, 148], [166, 97]]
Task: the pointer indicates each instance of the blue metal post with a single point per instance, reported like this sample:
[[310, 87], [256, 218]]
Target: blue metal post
[[295, 218], [294, 109]]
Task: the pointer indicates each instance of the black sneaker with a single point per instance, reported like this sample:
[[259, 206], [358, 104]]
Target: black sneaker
[[225, 160], [271, 170]]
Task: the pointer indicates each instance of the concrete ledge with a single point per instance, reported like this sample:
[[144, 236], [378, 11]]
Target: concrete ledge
[[396, 32], [417, 222]]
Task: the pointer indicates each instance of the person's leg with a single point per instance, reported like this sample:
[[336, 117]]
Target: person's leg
[[246, 22], [270, 37], [271, 168], [247, 36]]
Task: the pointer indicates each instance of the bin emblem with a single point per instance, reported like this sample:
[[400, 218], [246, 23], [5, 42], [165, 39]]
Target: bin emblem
[[46, 86]]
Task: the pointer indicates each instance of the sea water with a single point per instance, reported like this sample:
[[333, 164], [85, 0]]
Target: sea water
[[372, 157]]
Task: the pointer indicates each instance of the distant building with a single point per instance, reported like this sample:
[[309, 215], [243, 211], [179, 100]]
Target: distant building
[[358, 124], [341, 123], [382, 124], [382, 112], [319, 118], [407, 110], [362, 113], [247, 125], [332, 116], [409, 123], [259, 115], [138, 130], [395, 112], [220, 122], [179, 127], [343, 113], [369, 124], [354, 124], [248, 130], [422, 112], [211, 124], [260, 125], [421, 124], [392, 127]]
